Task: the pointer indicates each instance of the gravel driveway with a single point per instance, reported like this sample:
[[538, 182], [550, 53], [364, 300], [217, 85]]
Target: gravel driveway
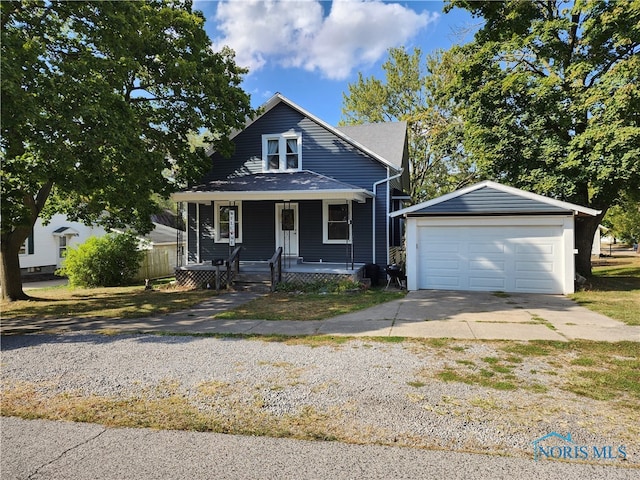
[[359, 392]]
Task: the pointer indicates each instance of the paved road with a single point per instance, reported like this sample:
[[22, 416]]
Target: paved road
[[39, 449]]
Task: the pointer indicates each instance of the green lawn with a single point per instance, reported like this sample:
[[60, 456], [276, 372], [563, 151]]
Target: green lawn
[[614, 289], [113, 302], [309, 306]]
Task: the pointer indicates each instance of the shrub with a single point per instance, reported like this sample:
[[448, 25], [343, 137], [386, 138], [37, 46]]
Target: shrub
[[320, 286], [108, 261]]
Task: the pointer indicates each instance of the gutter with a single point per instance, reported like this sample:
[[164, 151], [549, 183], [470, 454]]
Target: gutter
[[373, 223]]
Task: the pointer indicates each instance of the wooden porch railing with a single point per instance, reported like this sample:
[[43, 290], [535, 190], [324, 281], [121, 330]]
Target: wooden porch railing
[[275, 265], [233, 264]]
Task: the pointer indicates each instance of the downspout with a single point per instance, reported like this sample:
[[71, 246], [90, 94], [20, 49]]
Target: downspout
[[375, 195]]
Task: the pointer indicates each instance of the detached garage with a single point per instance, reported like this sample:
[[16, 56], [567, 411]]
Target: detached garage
[[491, 237]]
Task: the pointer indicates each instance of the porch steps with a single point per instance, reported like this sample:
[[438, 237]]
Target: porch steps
[[253, 281]]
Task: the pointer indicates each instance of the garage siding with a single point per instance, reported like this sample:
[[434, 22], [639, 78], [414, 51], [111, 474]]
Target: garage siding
[[459, 254]]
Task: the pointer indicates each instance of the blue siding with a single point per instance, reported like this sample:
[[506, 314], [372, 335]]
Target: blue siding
[[322, 151], [207, 245], [488, 200], [192, 238], [258, 234]]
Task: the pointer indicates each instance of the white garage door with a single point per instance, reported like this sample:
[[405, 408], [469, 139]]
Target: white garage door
[[495, 258]]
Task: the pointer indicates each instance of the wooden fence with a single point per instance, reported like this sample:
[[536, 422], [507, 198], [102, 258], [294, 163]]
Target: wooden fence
[[157, 263]]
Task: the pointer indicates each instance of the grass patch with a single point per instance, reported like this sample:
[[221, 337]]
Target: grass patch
[[614, 289], [602, 370], [483, 378], [584, 362], [597, 370], [212, 412], [308, 306], [500, 294], [113, 302], [416, 384]]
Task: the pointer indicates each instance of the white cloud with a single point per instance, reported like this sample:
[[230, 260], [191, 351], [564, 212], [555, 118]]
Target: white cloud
[[355, 33]]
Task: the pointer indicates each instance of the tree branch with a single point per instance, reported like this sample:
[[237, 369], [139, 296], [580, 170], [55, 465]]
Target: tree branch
[[629, 50]]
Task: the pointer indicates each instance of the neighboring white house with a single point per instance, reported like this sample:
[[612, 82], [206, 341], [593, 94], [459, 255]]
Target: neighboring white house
[[42, 252], [597, 241]]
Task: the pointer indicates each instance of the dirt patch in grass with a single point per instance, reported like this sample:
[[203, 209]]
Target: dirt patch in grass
[[308, 306]]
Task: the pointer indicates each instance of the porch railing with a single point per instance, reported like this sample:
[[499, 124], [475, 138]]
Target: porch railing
[[275, 265], [233, 265]]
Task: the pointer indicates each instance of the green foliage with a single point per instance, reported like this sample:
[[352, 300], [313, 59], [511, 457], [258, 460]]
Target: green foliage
[[100, 105], [623, 220], [413, 92], [319, 286], [550, 97], [109, 261]]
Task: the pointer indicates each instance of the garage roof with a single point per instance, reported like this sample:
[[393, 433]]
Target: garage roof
[[491, 198]]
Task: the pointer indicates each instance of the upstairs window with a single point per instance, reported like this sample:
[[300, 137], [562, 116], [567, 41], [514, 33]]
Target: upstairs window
[[281, 153]]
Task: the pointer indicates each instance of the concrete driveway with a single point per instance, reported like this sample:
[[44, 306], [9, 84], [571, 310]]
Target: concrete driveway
[[485, 315]]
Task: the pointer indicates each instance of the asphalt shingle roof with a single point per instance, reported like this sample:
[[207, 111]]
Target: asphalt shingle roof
[[273, 182], [385, 139]]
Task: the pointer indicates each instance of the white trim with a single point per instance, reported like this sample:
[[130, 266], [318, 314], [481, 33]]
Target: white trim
[[279, 98], [359, 196], [502, 188], [282, 151], [325, 223], [198, 233], [68, 232], [216, 219], [278, 214]]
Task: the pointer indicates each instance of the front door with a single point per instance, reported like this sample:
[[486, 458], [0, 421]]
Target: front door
[[287, 228]]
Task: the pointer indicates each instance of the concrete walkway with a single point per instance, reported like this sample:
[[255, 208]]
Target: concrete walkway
[[422, 314]]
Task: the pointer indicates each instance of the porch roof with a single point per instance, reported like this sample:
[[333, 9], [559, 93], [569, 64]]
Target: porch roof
[[303, 185]]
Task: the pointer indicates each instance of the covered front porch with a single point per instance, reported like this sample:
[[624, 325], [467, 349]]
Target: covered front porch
[[229, 273]]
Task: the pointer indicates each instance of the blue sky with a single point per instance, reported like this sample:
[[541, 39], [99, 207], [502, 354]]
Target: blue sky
[[310, 50]]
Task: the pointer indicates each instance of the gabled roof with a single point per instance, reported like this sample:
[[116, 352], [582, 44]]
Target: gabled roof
[[62, 231], [364, 148], [274, 186], [491, 198]]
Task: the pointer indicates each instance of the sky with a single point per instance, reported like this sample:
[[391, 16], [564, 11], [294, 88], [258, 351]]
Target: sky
[[310, 50]]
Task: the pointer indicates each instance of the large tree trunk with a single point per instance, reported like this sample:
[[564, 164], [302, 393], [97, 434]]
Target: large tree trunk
[[12, 240], [10, 276], [585, 231]]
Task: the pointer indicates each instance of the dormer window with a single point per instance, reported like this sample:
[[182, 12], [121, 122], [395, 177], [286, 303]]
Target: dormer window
[[282, 153]]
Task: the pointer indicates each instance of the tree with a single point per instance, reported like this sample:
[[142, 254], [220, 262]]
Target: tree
[[413, 92], [98, 101], [623, 219], [551, 100]]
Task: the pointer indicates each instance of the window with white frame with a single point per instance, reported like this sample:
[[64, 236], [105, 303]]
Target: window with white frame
[[282, 153], [221, 218], [336, 219], [62, 248]]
